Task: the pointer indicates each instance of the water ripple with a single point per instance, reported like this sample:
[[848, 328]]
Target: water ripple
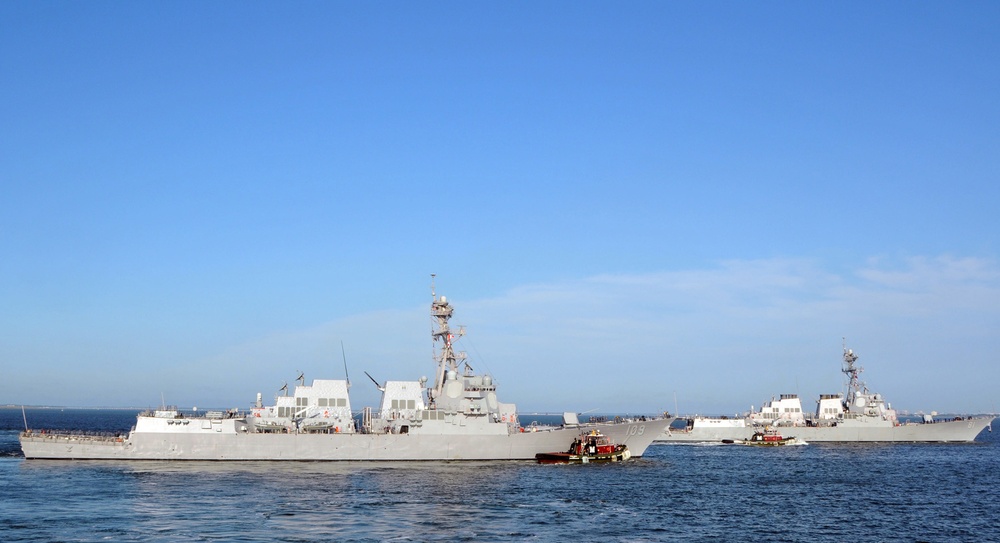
[[862, 493]]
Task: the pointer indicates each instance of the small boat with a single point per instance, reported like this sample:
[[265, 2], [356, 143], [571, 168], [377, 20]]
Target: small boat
[[769, 437], [592, 446]]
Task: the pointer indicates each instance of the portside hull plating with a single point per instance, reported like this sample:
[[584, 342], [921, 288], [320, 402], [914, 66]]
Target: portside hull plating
[[955, 431], [330, 447]]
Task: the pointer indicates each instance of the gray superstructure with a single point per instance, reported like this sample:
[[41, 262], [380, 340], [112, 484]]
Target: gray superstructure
[[455, 417], [857, 416]]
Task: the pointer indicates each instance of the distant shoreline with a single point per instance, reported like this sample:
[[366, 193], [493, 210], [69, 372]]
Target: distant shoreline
[[12, 406]]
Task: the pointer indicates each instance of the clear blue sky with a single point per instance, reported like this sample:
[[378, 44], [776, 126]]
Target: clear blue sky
[[628, 204]]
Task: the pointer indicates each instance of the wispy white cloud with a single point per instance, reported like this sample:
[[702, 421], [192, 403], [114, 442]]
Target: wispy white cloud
[[720, 338], [735, 334]]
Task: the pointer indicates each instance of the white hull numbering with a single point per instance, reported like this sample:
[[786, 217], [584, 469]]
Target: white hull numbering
[[860, 416], [456, 417]]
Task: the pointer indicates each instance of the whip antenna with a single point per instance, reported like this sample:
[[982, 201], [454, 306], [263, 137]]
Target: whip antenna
[[344, 353]]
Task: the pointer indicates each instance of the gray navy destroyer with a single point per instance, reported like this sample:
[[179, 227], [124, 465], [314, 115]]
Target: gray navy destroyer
[[457, 416], [857, 416]]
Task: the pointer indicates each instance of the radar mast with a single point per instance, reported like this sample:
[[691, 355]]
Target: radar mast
[[447, 359], [854, 383]]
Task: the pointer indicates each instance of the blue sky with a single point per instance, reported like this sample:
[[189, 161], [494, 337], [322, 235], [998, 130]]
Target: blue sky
[[627, 205]]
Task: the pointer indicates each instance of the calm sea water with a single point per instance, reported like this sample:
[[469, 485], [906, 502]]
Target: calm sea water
[[843, 493]]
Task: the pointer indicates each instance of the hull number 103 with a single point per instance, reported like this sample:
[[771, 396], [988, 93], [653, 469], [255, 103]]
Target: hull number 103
[[636, 430]]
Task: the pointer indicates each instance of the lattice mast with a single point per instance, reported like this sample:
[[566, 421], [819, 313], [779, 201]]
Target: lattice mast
[[446, 357], [854, 383]]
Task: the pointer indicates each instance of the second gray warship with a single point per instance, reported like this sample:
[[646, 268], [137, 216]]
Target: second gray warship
[[857, 416], [457, 416]]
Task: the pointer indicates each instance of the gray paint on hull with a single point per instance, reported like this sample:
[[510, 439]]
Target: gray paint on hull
[[332, 447], [959, 431]]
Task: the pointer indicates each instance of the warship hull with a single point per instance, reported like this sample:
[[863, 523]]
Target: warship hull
[[243, 446], [954, 431], [858, 416], [455, 416]]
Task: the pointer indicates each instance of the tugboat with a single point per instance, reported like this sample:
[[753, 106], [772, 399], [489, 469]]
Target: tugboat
[[592, 446], [769, 437]]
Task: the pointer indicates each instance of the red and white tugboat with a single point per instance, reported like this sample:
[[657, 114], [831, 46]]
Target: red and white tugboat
[[769, 437], [592, 446]]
